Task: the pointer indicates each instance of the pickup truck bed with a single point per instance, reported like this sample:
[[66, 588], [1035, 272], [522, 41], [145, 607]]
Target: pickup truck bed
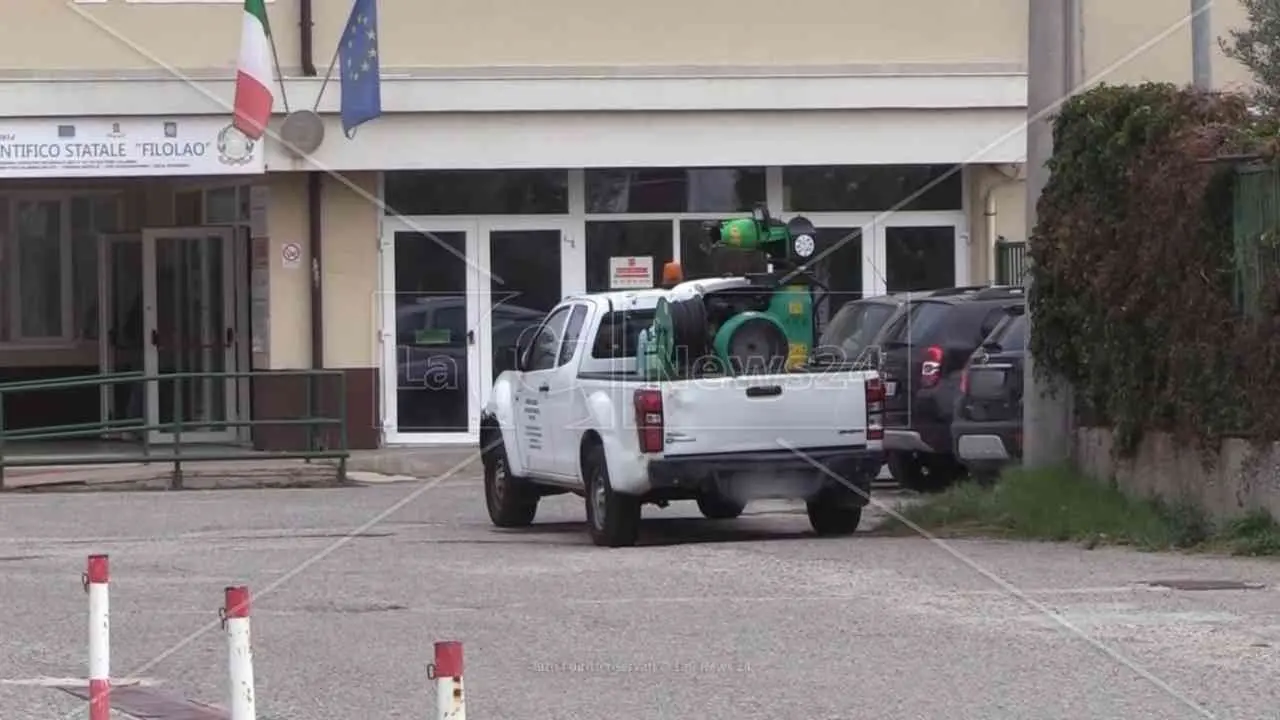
[[577, 417]]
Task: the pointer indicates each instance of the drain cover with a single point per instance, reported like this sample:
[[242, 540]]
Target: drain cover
[[1198, 585]]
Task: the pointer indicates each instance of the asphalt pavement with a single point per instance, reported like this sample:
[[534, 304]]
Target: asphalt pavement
[[731, 620]]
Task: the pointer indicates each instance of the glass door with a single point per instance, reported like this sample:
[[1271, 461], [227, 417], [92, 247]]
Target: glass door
[[528, 268], [430, 328], [844, 261], [188, 293], [924, 250], [121, 344]]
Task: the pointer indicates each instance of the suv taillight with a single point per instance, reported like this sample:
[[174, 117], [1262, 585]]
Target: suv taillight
[[931, 366], [649, 420], [964, 381], [875, 408]]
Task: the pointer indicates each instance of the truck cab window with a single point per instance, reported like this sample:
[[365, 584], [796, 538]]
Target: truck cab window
[[546, 346]]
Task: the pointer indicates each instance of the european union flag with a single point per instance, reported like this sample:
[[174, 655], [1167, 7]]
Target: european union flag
[[361, 78]]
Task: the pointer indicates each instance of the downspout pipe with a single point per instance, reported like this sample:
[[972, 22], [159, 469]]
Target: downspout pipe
[[315, 227]]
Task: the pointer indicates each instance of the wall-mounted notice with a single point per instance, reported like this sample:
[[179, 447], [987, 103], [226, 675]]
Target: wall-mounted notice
[[631, 273]]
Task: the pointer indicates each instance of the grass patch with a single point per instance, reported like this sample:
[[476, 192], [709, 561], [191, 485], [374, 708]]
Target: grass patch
[[1063, 506]]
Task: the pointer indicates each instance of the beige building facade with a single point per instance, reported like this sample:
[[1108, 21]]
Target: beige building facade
[[523, 154]]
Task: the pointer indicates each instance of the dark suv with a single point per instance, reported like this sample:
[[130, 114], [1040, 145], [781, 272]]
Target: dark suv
[[987, 429], [857, 323], [923, 351]]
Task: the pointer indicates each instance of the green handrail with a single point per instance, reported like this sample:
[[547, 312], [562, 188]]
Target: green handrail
[[175, 427]]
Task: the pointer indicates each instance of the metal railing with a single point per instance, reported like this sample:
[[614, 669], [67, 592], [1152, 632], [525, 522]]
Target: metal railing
[[1011, 262], [179, 451]]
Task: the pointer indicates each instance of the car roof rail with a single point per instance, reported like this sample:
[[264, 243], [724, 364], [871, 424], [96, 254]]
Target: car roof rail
[[958, 290], [1000, 292]]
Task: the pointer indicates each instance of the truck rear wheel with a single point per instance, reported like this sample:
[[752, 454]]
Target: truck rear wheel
[[512, 501], [714, 507], [828, 519], [614, 519]]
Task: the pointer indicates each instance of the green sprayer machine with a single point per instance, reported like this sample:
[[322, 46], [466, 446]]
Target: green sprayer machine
[[748, 324]]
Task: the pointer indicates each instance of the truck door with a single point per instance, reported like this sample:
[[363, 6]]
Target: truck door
[[532, 394], [563, 395]]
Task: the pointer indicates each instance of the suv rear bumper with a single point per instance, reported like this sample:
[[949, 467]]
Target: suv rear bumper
[[931, 438], [987, 443], [696, 474]]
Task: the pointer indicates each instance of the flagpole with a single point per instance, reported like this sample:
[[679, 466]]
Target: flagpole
[[337, 50], [275, 57]]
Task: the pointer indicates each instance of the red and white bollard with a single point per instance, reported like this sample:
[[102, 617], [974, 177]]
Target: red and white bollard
[[235, 618], [95, 584], [447, 672]]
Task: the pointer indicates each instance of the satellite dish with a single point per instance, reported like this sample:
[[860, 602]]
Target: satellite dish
[[301, 132]]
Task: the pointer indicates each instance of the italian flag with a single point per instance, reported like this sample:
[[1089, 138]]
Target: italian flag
[[253, 72]]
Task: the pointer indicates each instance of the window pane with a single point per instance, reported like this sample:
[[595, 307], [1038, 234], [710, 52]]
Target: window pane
[[636, 238], [920, 258], [90, 216], [188, 208], [673, 190], [478, 192], [6, 282], [872, 188], [222, 207], [839, 269], [39, 257], [697, 260]]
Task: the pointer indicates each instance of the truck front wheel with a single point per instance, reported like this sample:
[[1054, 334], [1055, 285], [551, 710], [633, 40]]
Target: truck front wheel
[[614, 518], [512, 501]]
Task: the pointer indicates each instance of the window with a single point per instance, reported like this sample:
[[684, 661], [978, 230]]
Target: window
[[854, 326], [913, 326], [572, 334], [920, 258], [872, 188], [619, 334], [546, 346], [625, 238], [1011, 336], [674, 190], [49, 266], [477, 192]]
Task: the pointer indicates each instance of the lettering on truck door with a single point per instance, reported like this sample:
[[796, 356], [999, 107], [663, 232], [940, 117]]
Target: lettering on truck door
[[537, 446]]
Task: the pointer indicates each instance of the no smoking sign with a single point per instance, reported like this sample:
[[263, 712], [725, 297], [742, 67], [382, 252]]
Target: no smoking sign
[[291, 255]]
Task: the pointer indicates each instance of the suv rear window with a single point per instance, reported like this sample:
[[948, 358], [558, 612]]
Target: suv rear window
[[853, 328], [619, 334], [914, 326], [1011, 336]]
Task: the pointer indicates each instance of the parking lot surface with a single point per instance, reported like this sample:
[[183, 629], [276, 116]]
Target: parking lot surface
[[751, 618]]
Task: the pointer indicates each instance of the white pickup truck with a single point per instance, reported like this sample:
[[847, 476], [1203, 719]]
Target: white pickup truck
[[577, 416]]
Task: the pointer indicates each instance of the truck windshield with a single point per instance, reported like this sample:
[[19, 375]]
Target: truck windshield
[[619, 334]]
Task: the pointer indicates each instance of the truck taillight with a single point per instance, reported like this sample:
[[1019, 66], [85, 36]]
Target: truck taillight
[[931, 367], [964, 381], [875, 408], [649, 420]]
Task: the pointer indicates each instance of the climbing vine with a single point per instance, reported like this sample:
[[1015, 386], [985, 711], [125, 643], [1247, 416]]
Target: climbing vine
[[1134, 268]]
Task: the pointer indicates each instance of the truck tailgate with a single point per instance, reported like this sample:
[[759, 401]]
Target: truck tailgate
[[764, 412]]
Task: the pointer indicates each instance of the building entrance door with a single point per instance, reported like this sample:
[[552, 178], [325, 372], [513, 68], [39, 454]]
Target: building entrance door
[[430, 332], [121, 344], [190, 331], [530, 265]]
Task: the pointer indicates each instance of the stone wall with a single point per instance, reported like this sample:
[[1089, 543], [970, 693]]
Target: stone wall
[[1234, 480]]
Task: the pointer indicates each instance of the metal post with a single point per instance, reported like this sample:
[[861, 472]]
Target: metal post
[[95, 584], [1046, 415], [447, 672], [176, 483], [342, 428], [235, 618], [310, 413], [2, 448], [1201, 45]]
